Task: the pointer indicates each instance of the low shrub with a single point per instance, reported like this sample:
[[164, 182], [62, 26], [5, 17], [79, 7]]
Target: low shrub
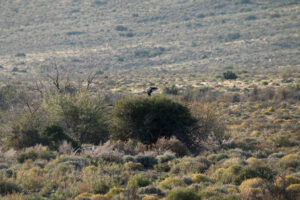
[[190, 165], [162, 167], [114, 191], [182, 194], [128, 158], [229, 75], [290, 161], [172, 144], [227, 175], [253, 172], [52, 136], [139, 181], [167, 156], [198, 178], [24, 136], [233, 161], [77, 162], [7, 187], [171, 182], [151, 190], [133, 166], [187, 180], [294, 188], [254, 187], [33, 155], [147, 160], [173, 90]]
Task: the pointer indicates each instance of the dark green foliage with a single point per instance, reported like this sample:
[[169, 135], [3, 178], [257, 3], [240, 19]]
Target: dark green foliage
[[85, 119], [253, 172], [148, 161], [23, 137], [53, 136], [8, 187], [182, 194], [147, 119], [229, 75]]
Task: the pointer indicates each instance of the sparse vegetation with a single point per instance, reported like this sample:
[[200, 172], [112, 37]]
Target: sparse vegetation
[[76, 123]]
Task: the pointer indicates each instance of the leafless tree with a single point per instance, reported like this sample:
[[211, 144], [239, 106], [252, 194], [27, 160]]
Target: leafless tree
[[91, 76]]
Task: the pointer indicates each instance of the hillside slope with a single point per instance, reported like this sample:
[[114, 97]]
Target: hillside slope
[[136, 34]]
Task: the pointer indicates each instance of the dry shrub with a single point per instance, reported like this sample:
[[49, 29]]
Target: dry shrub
[[210, 129], [254, 188], [65, 148], [172, 144], [171, 182], [107, 151]]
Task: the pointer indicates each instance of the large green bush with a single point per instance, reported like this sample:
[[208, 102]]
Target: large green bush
[[23, 137], [81, 115], [54, 135], [147, 119]]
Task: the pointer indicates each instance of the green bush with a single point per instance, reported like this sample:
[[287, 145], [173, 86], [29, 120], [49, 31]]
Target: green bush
[[54, 135], [165, 157], [150, 190], [8, 187], [254, 172], [147, 160], [81, 115], [290, 161], [147, 119], [139, 181], [182, 194], [229, 75], [27, 155], [133, 166], [171, 182], [162, 167], [34, 155], [23, 137]]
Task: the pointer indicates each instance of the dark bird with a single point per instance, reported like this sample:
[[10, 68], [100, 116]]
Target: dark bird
[[150, 90]]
